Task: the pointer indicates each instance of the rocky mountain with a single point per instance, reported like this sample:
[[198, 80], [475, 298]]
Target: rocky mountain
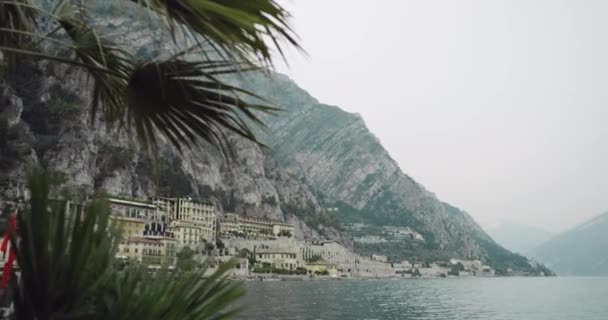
[[518, 238], [324, 169], [347, 166], [579, 251], [45, 121]]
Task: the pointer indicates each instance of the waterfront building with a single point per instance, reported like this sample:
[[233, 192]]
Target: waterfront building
[[402, 267], [253, 227], [379, 258], [129, 226], [137, 209], [148, 250], [192, 222], [229, 225], [321, 266], [282, 259], [186, 233], [138, 218]]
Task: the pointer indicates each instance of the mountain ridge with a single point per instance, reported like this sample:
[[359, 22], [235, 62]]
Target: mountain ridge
[[518, 238], [578, 251], [335, 151]]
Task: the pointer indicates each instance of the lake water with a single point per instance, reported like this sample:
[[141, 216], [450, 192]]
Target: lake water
[[466, 298]]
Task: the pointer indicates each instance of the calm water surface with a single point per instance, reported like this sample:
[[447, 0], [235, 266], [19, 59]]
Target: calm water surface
[[472, 298]]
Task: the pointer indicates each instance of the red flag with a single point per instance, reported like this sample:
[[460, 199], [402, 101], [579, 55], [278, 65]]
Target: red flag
[[7, 269]]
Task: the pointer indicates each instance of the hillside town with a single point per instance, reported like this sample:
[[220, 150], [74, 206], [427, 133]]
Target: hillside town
[[156, 230]]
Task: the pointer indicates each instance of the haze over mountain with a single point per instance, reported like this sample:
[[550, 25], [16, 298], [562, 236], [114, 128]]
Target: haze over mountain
[[582, 250], [499, 106], [518, 238]]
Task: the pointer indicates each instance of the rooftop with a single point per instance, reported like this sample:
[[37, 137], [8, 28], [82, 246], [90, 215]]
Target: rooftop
[[128, 219], [132, 202], [321, 262], [232, 216], [143, 240]]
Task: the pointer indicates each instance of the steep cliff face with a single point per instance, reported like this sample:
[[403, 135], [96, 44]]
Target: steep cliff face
[[45, 121], [341, 159]]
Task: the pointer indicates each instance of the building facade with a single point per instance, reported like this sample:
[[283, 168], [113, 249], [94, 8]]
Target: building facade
[[280, 259], [253, 228], [148, 250], [192, 222], [129, 226]]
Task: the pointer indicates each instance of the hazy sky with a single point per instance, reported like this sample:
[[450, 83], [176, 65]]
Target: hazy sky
[[499, 107]]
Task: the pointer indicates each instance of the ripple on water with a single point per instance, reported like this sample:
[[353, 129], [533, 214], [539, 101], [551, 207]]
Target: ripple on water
[[426, 299]]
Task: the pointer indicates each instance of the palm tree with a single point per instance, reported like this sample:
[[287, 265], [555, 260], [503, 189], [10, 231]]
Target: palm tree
[[178, 95], [66, 260], [66, 257]]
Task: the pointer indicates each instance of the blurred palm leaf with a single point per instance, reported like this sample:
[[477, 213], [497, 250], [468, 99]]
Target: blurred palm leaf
[[238, 29], [112, 64], [66, 270], [64, 258], [186, 102], [18, 16], [171, 296]]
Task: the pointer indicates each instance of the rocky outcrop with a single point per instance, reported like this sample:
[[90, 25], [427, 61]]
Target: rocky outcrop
[[49, 125]]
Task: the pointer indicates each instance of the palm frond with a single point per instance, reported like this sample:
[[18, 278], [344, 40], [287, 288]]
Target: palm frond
[[95, 51], [63, 256], [15, 15], [172, 295], [187, 103], [66, 256], [236, 29]]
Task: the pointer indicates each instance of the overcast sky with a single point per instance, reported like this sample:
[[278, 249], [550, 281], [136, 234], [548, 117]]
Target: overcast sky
[[499, 107]]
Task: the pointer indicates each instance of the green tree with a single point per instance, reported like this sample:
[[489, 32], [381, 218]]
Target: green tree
[[209, 247], [185, 259]]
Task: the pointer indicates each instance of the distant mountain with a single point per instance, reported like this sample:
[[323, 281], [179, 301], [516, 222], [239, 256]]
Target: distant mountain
[[580, 251], [519, 238]]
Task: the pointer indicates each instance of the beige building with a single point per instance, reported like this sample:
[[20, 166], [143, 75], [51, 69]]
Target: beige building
[[281, 259], [186, 233], [253, 227], [148, 250], [191, 221], [321, 266], [129, 226], [147, 211], [379, 258]]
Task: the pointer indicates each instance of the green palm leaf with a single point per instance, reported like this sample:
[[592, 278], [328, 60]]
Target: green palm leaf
[[19, 16], [171, 296], [112, 64], [65, 258], [182, 100], [186, 103], [238, 29]]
